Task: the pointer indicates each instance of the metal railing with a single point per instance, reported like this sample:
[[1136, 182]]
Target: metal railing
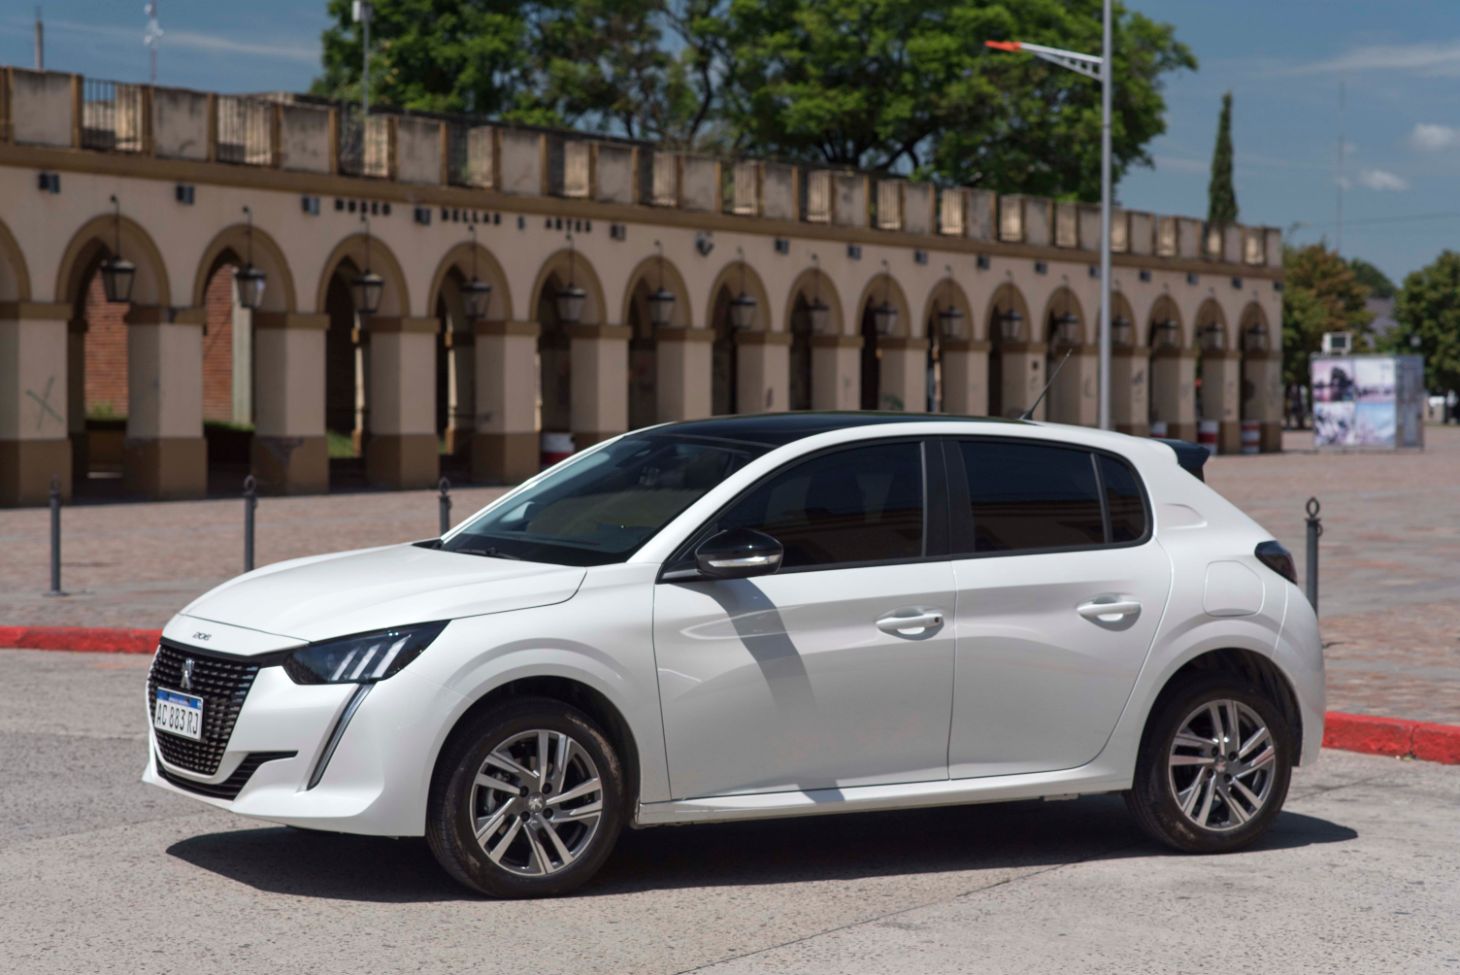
[[112, 116]]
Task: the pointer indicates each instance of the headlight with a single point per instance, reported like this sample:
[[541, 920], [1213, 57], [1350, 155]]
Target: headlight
[[361, 659]]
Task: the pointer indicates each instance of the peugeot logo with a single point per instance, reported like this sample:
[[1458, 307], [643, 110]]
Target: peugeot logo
[[187, 674]]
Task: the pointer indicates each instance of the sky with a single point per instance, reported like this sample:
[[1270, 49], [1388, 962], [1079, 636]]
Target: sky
[[1285, 62]]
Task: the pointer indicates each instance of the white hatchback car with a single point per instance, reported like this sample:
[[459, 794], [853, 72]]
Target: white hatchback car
[[761, 616]]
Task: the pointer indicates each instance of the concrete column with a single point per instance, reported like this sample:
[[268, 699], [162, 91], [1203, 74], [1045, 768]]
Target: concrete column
[[164, 455], [1173, 391], [504, 446], [1130, 391], [461, 395], [1072, 397], [243, 362], [1220, 371], [765, 371], [1264, 370], [290, 451], [34, 411], [76, 329], [402, 450], [1023, 376], [600, 365], [836, 372], [966, 377], [684, 360], [904, 374]]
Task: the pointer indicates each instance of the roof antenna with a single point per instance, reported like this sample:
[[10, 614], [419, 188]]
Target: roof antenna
[[1029, 413]]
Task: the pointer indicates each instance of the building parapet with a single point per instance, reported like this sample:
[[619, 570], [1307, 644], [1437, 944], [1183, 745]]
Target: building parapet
[[303, 134]]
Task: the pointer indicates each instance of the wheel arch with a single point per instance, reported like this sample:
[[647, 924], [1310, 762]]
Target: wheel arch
[[1261, 670]]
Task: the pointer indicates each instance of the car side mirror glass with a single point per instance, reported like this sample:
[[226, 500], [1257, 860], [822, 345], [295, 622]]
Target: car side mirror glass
[[738, 553]]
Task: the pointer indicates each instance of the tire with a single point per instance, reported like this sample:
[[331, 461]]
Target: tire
[[535, 844], [1218, 816]]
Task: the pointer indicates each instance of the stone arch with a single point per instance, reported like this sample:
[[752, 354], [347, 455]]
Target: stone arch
[[454, 344], [1254, 316], [377, 257], [890, 379], [91, 244], [947, 375], [1163, 310], [1062, 300], [1121, 309], [884, 285], [816, 283], [648, 400], [14, 275], [1007, 297], [734, 276], [654, 272], [488, 268], [1066, 363], [803, 390], [570, 266], [1210, 312], [948, 291], [279, 294]]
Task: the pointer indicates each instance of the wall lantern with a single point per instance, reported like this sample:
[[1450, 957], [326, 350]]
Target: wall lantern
[[818, 311], [1121, 330], [661, 301], [117, 273], [1256, 337], [1211, 336], [884, 313], [368, 286], [571, 298], [476, 294], [1167, 333], [248, 280], [950, 318], [742, 306], [1009, 322]]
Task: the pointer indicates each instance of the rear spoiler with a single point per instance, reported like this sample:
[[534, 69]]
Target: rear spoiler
[[1192, 457]]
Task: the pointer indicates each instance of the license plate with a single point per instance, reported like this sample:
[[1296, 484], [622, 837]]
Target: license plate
[[179, 714]]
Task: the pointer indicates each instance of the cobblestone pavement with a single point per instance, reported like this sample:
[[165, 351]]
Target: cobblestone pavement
[[1388, 603]]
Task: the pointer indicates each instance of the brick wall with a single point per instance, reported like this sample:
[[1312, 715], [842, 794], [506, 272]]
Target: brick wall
[[218, 347], [106, 353]]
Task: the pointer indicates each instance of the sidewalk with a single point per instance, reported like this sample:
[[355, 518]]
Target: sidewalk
[[1390, 599]]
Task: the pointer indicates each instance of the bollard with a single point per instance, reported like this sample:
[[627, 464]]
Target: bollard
[[250, 502], [444, 505], [55, 536], [1315, 531]]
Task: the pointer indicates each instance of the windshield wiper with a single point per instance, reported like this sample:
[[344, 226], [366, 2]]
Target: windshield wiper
[[491, 552]]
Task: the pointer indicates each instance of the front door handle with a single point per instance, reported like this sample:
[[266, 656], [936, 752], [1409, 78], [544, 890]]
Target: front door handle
[[910, 622], [1106, 610]]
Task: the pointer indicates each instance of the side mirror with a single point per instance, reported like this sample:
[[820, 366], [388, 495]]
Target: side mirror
[[738, 554]]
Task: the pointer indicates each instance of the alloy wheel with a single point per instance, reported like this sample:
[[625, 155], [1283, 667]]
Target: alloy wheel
[[1221, 765]]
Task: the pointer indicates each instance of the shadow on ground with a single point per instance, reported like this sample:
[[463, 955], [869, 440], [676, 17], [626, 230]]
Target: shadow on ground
[[964, 838]]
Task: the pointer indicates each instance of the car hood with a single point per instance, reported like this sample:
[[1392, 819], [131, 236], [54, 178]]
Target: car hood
[[354, 592]]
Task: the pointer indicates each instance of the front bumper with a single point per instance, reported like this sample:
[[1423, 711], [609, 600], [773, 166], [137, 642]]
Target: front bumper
[[376, 780]]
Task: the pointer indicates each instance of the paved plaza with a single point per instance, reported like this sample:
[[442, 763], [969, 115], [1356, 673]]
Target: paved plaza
[[1390, 600], [99, 873]]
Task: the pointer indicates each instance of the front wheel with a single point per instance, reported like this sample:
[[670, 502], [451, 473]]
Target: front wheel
[[527, 801], [1213, 767]]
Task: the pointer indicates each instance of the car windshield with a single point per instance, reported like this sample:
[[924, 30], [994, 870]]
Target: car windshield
[[602, 507]]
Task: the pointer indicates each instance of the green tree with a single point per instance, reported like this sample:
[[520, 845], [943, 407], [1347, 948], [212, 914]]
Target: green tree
[[1378, 282], [907, 85], [1321, 293], [1221, 194], [1428, 308]]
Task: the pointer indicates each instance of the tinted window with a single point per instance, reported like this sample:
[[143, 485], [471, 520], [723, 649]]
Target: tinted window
[[1123, 500], [862, 504], [1030, 496]]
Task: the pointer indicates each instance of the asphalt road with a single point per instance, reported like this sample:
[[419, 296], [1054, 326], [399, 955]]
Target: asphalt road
[[99, 874]]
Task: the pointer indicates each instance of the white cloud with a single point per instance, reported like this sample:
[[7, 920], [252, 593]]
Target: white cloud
[[1434, 59], [276, 50], [1432, 137], [1180, 164], [1382, 180]]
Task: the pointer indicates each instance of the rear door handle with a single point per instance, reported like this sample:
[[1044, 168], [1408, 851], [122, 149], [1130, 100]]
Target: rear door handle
[[1106, 610], [910, 622]]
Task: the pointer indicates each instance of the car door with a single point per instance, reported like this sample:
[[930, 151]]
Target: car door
[[1061, 588], [835, 670]]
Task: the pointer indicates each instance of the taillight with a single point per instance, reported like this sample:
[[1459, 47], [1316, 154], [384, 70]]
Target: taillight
[[1278, 559]]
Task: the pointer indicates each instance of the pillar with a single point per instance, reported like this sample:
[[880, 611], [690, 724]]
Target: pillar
[[1130, 390], [965, 377], [164, 455], [34, 408], [461, 392], [1173, 391], [1264, 370], [76, 329], [600, 365], [1072, 394], [290, 453], [765, 371], [836, 372], [684, 361], [1023, 376], [402, 450], [904, 374], [504, 446], [1220, 372]]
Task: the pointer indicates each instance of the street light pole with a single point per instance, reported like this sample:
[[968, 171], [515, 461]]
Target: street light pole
[[363, 13], [1099, 69]]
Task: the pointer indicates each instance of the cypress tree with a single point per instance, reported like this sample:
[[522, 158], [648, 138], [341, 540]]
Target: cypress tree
[[1221, 194]]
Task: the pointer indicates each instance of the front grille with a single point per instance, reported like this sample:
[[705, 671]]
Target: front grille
[[222, 683], [230, 787]]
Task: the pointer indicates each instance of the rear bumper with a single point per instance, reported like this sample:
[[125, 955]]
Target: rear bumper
[[376, 780]]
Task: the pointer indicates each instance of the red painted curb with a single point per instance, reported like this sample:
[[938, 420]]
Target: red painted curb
[[1392, 736], [94, 639], [1347, 732]]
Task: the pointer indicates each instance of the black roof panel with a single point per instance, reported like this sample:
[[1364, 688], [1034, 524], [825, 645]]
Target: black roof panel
[[778, 429]]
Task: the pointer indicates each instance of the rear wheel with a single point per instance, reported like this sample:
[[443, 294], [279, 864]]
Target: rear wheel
[[527, 801], [1214, 766]]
